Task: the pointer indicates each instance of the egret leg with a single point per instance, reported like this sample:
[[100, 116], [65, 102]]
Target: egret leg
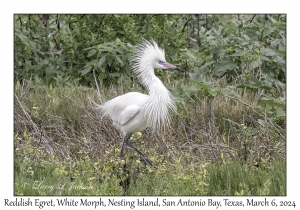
[[143, 156], [125, 139]]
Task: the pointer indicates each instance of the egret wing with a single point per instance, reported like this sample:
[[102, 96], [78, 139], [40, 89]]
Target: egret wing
[[128, 113], [116, 106]]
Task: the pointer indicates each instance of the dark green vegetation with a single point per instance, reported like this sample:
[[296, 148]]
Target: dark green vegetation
[[228, 137]]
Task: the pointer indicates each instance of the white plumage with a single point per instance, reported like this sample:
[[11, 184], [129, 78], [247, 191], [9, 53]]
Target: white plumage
[[133, 112]]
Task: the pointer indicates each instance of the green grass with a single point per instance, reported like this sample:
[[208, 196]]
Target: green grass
[[241, 179], [98, 177]]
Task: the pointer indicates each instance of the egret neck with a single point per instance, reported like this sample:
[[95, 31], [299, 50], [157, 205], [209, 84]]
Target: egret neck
[[160, 101]]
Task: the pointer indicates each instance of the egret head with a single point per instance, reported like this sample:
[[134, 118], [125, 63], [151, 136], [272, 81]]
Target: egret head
[[149, 56]]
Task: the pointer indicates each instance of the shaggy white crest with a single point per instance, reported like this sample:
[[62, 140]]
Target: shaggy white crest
[[145, 59]]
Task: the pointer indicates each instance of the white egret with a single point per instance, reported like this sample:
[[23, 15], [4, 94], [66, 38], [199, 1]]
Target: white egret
[[134, 112]]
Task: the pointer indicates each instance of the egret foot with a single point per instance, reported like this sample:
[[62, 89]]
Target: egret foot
[[126, 138]]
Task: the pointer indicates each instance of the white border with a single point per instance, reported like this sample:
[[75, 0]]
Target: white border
[[8, 8]]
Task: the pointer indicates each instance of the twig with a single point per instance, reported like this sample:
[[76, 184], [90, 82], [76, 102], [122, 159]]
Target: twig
[[28, 116], [98, 90], [252, 18], [232, 122]]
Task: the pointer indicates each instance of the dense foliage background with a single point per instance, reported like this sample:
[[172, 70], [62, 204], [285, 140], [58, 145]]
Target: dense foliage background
[[231, 100]]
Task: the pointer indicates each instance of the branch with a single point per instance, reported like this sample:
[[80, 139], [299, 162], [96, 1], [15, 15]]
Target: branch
[[186, 24]]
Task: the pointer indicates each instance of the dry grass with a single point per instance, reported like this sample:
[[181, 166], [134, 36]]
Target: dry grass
[[65, 122]]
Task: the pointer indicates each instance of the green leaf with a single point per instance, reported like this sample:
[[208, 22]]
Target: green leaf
[[238, 52], [265, 58], [249, 84], [91, 52], [254, 83], [225, 64], [207, 86], [49, 70], [229, 91], [189, 89], [192, 56], [128, 70], [214, 92], [88, 48], [279, 60], [37, 79], [176, 93], [232, 26], [201, 84], [281, 53], [266, 85], [109, 60], [204, 69], [86, 70], [196, 76], [246, 37], [280, 112], [119, 59], [267, 99], [217, 52], [114, 74], [251, 34], [23, 38], [268, 31], [101, 61], [254, 64], [268, 52]]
